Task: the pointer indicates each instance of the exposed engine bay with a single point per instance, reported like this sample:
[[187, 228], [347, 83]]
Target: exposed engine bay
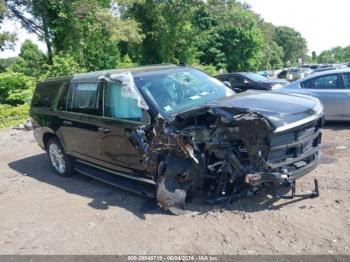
[[226, 153]]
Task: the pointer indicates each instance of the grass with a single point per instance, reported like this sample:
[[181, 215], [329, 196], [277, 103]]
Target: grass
[[13, 115]]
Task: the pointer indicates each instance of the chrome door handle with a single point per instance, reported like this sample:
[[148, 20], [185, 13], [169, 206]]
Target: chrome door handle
[[104, 130], [67, 123]]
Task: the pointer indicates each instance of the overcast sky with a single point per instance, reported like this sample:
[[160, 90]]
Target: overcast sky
[[22, 35], [324, 24]]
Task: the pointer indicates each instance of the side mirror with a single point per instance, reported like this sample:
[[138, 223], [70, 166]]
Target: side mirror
[[247, 82], [228, 84], [237, 90]]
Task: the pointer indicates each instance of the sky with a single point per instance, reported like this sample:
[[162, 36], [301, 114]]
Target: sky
[[323, 23], [22, 35]]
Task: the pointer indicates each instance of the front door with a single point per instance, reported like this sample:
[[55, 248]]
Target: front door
[[121, 119]]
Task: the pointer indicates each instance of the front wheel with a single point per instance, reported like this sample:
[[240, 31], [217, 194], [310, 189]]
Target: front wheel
[[61, 163]]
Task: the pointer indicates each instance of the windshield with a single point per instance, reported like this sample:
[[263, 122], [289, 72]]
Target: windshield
[[177, 90], [255, 77]]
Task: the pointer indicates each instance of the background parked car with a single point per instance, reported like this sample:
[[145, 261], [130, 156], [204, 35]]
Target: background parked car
[[332, 88], [341, 66], [266, 74], [293, 74], [317, 66], [323, 69], [240, 82]]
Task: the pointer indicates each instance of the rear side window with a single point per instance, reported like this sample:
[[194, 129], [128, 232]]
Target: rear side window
[[84, 98], [323, 82], [347, 80], [45, 94], [119, 105]]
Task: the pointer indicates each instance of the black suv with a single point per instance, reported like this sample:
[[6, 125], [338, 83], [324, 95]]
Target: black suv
[[240, 82], [163, 131]]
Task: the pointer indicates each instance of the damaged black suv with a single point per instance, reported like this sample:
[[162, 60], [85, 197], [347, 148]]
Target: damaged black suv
[[164, 131]]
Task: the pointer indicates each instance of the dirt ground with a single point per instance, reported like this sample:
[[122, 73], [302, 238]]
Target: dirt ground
[[41, 213]]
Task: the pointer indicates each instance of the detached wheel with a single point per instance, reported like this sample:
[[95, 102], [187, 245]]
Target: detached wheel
[[61, 163]]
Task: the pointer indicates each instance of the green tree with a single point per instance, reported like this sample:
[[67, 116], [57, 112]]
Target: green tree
[[228, 36], [167, 28], [7, 39], [15, 88], [30, 60], [88, 30], [63, 65], [335, 55], [293, 44], [313, 57], [40, 12], [6, 63], [326, 56], [272, 53]]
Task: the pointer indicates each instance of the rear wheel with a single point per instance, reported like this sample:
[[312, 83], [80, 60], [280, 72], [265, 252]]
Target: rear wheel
[[61, 163]]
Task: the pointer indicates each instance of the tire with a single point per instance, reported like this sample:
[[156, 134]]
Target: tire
[[60, 162]]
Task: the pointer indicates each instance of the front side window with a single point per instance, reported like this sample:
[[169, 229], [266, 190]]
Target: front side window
[[323, 82], [85, 98], [236, 80], [119, 104], [346, 80], [256, 77], [174, 91]]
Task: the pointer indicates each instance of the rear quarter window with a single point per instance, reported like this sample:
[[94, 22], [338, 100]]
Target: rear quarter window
[[45, 93]]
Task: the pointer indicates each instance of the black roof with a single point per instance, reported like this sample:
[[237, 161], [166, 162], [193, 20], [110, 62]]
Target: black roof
[[94, 76]]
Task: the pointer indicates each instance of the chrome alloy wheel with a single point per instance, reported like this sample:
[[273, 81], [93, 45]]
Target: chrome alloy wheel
[[57, 158]]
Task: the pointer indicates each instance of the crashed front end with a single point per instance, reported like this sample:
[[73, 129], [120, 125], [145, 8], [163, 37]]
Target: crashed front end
[[227, 153]]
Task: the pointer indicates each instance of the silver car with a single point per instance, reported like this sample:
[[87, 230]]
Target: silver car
[[293, 74], [332, 88]]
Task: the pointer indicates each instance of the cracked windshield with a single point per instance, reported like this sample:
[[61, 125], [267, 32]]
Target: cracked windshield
[[174, 92]]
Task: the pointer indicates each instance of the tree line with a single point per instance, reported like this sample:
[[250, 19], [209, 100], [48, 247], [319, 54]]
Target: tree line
[[102, 34], [90, 35]]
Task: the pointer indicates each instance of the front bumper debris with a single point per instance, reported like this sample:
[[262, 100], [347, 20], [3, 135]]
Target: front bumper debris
[[227, 154], [314, 193]]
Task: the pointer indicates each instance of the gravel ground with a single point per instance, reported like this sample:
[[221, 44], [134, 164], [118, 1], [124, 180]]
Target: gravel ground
[[44, 214]]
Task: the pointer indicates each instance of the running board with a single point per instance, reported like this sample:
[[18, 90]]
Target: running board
[[122, 181]]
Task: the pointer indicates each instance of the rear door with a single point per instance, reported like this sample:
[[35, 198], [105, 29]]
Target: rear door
[[329, 89], [80, 130], [121, 119], [346, 77]]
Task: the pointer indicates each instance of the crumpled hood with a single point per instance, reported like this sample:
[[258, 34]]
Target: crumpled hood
[[279, 108]]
